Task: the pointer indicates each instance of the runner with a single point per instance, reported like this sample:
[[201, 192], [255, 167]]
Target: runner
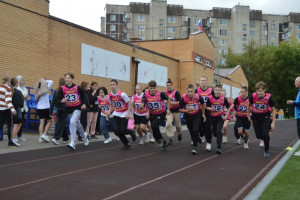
[[175, 115], [140, 115], [74, 98], [205, 130], [260, 103], [155, 101], [190, 106], [120, 103], [296, 103], [149, 136], [216, 104], [242, 123], [228, 118], [106, 120]]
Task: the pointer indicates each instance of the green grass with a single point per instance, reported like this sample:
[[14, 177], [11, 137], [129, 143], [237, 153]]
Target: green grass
[[286, 185]]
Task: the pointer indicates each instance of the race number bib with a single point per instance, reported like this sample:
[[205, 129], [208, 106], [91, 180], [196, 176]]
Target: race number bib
[[194, 106], [71, 97], [105, 108], [242, 108], [260, 106], [205, 99], [172, 99], [218, 108], [154, 105], [138, 106], [117, 104]]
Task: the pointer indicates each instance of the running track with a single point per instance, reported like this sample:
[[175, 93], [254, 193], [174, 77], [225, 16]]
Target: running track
[[108, 172]]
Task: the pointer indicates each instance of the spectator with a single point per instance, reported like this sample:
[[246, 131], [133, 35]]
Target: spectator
[[92, 112], [22, 88]]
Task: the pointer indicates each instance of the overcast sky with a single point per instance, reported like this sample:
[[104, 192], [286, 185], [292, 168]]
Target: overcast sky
[[87, 13]]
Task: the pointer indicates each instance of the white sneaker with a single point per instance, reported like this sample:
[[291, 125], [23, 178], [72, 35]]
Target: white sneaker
[[118, 139], [65, 142], [208, 147], [15, 142], [108, 140], [297, 153], [17, 139], [246, 146], [225, 139], [202, 139], [152, 140], [21, 139], [147, 138], [41, 140], [142, 141], [192, 143], [55, 141], [239, 141], [262, 144], [71, 145], [45, 138], [86, 139]]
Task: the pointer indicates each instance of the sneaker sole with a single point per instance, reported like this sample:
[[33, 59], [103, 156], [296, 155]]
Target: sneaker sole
[[45, 140], [55, 143], [70, 147]]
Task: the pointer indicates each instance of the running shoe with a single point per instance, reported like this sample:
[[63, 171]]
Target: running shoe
[[86, 139], [297, 153], [194, 151], [142, 141], [208, 147], [108, 140], [266, 154], [262, 144], [45, 138], [71, 145], [170, 142], [133, 135], [21, 139], [246, 146], [147, 138], [179, 137], [219, 151], [55, 141]]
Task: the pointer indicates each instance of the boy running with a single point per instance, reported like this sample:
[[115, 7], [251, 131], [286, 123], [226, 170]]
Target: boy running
[[260, 102], [193, 106]]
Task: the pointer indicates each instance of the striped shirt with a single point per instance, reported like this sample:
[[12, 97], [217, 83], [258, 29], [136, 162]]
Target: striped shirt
[[5, 98]]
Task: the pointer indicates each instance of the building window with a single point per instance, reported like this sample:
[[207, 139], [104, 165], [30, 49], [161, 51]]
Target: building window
[[244, 35], [196, 21], [272, 26], [223, 22], [223, 61], [298, 36], [244, 29], [273, 35], [141, 18], [298, 27], [223, 42], [244, 39], [161, 22], [223, 51], [172, 19], [223, 32], [198, 59], [252, 33], [161, 31], [112, 17], [208, 63], [244, 49], [161, 35], [141, 27], [171, 30], [244, 25], [112, 27], [252, 24]]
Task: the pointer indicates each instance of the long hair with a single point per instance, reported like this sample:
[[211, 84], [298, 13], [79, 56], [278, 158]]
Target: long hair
[[61, 82], [13, 83], [92, 84]]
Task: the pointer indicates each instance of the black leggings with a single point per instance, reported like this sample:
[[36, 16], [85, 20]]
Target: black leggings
[[61, 129], [21, 128], [193, 127], [121, 128], [261, 127], [156, 121], [205, 127], [217, 125], [6, 116]]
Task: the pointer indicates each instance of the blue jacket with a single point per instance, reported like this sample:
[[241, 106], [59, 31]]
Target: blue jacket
[[297, 106]]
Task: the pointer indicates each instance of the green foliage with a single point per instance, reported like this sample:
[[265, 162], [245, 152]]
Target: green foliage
[[277, 66]]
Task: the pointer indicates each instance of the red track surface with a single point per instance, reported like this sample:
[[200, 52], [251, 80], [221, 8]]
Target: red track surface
[[144, 172]]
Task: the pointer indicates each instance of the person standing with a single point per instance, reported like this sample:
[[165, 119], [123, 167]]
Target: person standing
[[41, 92], [92, 112], [23, 89], [296, 103], [192, 105], [18, 103], [6, 108], [261, 102], [175, 115]]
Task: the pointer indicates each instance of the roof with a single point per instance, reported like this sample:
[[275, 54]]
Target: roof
[[226, 71]]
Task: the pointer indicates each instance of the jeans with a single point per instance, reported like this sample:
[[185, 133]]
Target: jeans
[[103, 127]]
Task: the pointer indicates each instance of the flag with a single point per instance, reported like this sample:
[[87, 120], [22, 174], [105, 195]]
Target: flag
[[200, 25]]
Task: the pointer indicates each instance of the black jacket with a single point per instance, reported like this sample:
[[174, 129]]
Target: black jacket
[[55, 102], [18, 99], [92, 99]]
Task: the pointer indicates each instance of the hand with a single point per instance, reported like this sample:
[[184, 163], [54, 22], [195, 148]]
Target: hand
[[168, 112], [94, 93], [64, 100], [51, 116], [224, 118], [83, 107], [273, 126], [26, 96], [107, 118], [234, 119], [147, 116], [190, 108], [127, 116], [14, 112], [213, 108], [107, 113], [204, 118], [249, 119], [142, 105], [131, 117], [289, 102]]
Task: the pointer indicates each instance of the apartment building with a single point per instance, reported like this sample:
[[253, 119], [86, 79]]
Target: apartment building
[[226, 27]]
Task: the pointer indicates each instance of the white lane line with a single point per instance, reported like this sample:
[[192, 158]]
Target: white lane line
[[164, 176], [85, 169]]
